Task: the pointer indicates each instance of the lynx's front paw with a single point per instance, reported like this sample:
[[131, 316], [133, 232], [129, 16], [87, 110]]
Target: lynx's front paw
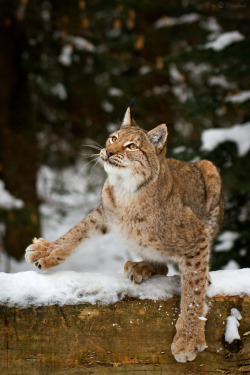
[[139, 271], [187, 344], [43, 254]]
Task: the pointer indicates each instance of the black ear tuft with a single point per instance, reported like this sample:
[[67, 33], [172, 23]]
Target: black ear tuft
[[132, 102]]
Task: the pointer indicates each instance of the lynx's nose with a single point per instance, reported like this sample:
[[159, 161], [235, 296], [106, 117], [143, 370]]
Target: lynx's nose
[[109, 152]]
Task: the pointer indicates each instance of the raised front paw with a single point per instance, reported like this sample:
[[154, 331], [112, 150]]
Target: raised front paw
[[43, 254], [186, 345]]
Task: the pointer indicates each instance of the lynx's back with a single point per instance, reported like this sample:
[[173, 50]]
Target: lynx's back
[[192, 182]]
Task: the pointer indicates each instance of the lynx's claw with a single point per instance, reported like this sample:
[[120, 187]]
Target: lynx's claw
[[38, 265]]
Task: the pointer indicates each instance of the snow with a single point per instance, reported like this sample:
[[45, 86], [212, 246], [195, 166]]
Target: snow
[[81, 43], [230, 282], [60, 91], [24, 289], [114, 91], [179, 149], [224, 40], [72, 42], [65, 57], [7, 201], [239, 98], [107, 106], [202, 318], [226, 240], [240, 134], [174, 73], [232, 332], [211, 24], [221, 81], [30, 288], [145, 69], [171, 21], [231, 265]]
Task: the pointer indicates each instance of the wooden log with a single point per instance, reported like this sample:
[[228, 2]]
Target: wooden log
[[130, 337]]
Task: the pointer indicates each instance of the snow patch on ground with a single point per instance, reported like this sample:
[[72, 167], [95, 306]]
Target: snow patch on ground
[[232, 332], [225, 40], [35, 289], [240, 134]]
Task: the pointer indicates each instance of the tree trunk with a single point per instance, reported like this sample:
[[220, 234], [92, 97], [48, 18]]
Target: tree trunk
[[129, 337], [18, 151]]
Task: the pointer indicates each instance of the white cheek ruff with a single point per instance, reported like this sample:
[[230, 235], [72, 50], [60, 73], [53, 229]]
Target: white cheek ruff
[[122, 178], [113, 169]]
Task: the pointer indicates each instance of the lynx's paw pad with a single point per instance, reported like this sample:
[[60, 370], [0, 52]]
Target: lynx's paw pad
[[139, 271], [43, 254], [186, 346]]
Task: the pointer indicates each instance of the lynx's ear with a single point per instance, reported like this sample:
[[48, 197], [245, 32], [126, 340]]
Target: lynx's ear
[[127, 119], [158, 136]]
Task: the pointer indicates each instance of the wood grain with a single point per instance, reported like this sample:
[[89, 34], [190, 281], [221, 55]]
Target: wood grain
[[129, 337]]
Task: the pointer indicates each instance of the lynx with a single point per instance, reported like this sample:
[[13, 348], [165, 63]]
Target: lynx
[[165, 209]]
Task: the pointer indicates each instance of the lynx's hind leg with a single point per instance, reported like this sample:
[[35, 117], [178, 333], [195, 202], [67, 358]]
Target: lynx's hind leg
[[139, 271], [190, 335]]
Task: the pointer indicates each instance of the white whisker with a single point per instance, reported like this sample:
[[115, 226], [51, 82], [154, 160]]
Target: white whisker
[[97, 144], [95, 164], [93, 146], [91, 161], [88, 155]]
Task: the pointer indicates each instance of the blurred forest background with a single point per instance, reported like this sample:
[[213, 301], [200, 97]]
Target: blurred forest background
[[68, 70]]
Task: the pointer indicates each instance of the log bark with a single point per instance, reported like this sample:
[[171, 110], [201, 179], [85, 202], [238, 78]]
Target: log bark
[[129, 337]]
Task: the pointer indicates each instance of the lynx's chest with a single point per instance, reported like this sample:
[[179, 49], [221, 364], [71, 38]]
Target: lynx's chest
[[136, 220]]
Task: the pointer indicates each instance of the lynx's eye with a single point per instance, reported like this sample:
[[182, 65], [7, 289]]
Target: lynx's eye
[[113, 139], [132, 146]]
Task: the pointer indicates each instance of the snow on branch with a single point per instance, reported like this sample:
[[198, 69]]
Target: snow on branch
[[225, 40], [239, 134]]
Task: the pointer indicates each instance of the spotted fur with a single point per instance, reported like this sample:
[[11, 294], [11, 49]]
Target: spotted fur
[[164, 209]]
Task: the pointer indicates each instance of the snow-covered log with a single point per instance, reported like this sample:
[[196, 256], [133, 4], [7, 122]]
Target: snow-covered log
[[129, 336]]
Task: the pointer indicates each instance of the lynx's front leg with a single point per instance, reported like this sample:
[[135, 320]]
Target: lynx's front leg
[[45, 254], [190, 335]]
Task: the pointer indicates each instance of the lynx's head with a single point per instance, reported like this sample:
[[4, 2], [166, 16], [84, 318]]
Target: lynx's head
[[132, 156]]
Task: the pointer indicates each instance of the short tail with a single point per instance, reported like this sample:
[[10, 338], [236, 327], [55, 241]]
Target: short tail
[[214, 199]]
